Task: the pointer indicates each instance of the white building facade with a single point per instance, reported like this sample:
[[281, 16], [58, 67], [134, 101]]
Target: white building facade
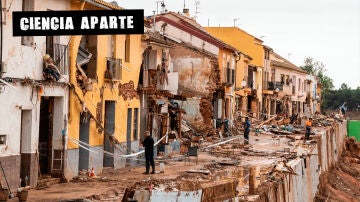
[[34, 111]]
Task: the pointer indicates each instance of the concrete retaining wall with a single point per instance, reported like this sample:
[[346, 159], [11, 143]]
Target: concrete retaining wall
[[308, 168]]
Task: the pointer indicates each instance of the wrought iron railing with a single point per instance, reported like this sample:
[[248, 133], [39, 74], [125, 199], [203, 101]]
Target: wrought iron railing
[[61, 58], [274, 85]]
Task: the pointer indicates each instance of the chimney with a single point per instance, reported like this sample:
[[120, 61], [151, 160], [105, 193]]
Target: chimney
[[186, 12]]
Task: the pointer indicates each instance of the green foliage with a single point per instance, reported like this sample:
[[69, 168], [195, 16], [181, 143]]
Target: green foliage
[[335, 98]]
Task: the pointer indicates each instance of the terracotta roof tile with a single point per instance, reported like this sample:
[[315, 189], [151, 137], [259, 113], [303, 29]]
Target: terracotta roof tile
[[282, 62], [107, 4]]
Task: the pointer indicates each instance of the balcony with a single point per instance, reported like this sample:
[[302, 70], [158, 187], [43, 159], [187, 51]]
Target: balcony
[[274, 85], [113, 68], [61, 58]]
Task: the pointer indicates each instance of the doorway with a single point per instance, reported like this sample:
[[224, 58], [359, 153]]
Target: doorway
[[46, 134], [128, 131], [27, 175], [84, 137], [109, 129]]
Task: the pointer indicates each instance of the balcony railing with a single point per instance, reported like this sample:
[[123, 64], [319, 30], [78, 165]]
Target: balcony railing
[[274, 85], [61, 58]]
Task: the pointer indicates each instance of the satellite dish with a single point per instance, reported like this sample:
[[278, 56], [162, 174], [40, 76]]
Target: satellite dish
[[277, 90]]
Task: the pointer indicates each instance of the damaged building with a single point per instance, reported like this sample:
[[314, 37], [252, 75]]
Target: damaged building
[[75, 103], [289, 86], [104, 103], [205, 67], [34, 97], [249, 68], [158, 87]]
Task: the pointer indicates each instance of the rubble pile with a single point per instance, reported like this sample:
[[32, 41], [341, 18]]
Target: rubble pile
[[184, 182]]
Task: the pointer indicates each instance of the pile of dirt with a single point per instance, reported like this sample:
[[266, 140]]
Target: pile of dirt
[[342, 182]]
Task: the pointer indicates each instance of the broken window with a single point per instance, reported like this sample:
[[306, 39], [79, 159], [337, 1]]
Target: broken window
[[87, 56], [113, 68], [27, 5]]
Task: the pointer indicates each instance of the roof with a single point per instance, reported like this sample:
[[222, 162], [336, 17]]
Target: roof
[[238, 29], [243, 41], [112, 5], [282, 62], [196, 26], [156, 38]]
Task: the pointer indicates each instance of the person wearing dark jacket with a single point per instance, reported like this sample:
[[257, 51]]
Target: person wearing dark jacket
[[246, 130], [148, 143]]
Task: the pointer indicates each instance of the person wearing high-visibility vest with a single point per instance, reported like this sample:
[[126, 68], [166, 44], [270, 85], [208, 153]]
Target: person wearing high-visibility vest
[[308, 125]]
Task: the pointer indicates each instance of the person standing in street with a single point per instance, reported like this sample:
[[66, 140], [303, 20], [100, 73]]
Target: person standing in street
[[148, 143], [308, 125], [246, 130], [343, 108]]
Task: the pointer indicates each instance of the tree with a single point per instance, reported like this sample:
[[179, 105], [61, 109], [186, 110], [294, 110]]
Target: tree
[[316, 68]]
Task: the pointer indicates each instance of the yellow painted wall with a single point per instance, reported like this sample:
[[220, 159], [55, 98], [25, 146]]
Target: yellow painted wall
[[246, 44], [241, 40], [91, 98], [222, 61]]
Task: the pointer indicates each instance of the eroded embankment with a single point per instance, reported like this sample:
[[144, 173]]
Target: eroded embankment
[[342, 182]]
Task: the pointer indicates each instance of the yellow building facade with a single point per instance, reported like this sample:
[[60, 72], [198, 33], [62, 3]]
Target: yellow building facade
[[249, 66], [104, 106]]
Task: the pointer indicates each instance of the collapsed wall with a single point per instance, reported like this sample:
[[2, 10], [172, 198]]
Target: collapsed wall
[[302, 184]]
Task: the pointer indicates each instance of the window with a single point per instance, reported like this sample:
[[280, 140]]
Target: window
[[27, 5], [87, 55], [127, 48], [287, 81], [2, 139], [113, 68], [135, 123], [299, 85], [282, 78]]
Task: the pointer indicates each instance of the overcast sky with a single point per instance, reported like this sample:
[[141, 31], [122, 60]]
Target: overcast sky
[[327, 30]]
